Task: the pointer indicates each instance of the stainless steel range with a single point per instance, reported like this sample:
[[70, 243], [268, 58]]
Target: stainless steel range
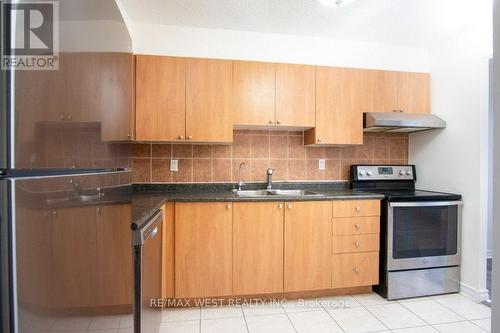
[[420, 232]]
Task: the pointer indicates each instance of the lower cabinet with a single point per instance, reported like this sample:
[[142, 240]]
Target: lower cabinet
[[355, 269], [250, 248], [257, 247], [203, 249], [308, 232]]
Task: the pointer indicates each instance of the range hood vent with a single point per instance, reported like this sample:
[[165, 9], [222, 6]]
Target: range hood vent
[[399, 122]]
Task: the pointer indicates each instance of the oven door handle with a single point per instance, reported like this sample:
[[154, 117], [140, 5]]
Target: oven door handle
[[426, 204]]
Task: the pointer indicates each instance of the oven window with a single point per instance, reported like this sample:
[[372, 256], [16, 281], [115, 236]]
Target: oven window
[[425, 231]]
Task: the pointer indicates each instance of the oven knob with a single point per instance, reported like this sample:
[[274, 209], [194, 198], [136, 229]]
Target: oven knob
[[369, 173], [402, 173], [362, 172]]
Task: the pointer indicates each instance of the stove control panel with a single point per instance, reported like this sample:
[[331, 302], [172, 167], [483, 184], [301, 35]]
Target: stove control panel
[[383, 172]]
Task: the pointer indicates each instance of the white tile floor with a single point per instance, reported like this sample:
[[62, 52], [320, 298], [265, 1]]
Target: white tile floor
[[344, 314], [347, 314]]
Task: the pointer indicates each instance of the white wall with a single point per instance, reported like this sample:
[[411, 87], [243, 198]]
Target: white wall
[[495, 316], [242, 45], [455, 159]]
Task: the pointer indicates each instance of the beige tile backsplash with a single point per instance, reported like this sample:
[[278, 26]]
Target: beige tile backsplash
[[281, 150]]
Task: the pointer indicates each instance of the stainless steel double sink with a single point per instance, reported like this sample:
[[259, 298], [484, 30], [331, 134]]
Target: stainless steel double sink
[[266, 193]]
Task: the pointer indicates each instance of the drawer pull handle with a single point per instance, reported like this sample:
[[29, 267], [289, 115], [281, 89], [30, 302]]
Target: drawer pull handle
[[356, 244], [280, 206], [356, 270], [271, 122], [358, 209], [289, 206], [357, 226], [228, 206]]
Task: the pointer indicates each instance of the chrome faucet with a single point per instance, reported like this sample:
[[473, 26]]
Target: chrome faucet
[[269, 178], [243, 165]]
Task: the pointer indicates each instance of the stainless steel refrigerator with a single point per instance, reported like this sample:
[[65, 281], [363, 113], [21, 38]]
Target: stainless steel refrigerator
[[65, 238]]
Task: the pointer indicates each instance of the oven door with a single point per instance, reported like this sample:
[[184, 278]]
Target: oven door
[[423, 234]]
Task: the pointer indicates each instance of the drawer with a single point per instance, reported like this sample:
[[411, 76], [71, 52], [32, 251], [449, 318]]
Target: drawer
[[355, 243], [353, 208], [355, 269], [356, 225]]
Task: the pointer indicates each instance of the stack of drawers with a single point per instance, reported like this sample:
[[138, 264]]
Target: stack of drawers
[[355, 243]]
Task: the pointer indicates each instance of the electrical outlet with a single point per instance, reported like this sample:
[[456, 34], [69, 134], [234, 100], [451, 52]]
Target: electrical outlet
[[321, 164], [174, 165]]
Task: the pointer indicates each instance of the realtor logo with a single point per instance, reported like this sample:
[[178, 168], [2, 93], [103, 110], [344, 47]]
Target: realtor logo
[[30, 35]]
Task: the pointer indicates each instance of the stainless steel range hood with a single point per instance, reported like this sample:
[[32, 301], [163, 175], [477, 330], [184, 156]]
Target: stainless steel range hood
[[400, 122]]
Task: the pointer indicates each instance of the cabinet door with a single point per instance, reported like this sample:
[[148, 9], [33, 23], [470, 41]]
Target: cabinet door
[[209, 100], [114, 255], [74, 255], [257, 248], [117, 96], [308, 230], [295, 95], [380, 91], [339, 119], [160, 98], [203, 249], [414, 92], [254, 86]]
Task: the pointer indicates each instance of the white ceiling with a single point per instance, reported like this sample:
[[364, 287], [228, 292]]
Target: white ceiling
[[401, 22]]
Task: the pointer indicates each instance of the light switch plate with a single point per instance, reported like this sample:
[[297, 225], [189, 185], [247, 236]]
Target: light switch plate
[[174, 165], [321, 164]]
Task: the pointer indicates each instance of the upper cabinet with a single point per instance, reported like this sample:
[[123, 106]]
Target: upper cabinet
[[181, 99], [200, 100], [389, 91], [209, 100], [254, 93], [414, 92], [160, 102], [338, 107], [295, 95]]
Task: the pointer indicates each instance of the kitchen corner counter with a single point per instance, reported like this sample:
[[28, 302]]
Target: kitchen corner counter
[[148, 198]]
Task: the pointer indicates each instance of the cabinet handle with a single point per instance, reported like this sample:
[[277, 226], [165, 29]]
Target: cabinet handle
[[271, 122], [279, 122], [356, 270], [181, 137], [289, 206], [70, 117], [129, 136], [280, 206], [357, 226], [46, 214], [395, 110], [54, 213], [99, 210], [358, 209], [190, 137], [319, 140], [356, 244], [228, 206], [401, 110], [61, 117]]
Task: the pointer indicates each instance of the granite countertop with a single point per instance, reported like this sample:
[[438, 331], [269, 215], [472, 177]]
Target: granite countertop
[[148, 198]]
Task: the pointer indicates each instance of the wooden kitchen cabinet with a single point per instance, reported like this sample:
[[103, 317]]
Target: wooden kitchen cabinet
[[339, 104], [117, 103], [414, 92], [209, 100], [307, 251], [258, 247], [391, 91], [355, 269], [295, 95], [254, 87], [114, 255], [160, 98], [203, 249]]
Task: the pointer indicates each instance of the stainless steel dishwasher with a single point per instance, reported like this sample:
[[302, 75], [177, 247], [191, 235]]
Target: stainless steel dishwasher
[[147, 275]]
